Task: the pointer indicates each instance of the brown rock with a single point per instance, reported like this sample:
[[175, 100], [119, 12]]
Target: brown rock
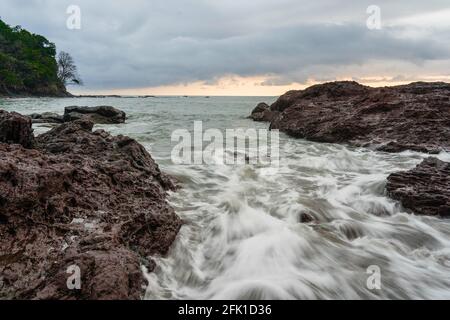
[[15, 128], [424, 189], [306, 218], [393, 119], [101, 114], [262, 112], [81, 198], [46, 117]]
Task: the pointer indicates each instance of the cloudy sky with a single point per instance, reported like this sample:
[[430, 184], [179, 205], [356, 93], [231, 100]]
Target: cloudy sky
[[234, 47]]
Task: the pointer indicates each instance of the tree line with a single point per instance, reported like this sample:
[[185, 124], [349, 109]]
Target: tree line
[[29, 65]]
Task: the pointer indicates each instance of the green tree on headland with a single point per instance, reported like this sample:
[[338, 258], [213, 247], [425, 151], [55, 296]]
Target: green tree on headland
[[27, 64]]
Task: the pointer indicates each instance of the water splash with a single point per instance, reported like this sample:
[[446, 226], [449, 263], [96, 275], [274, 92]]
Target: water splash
[[243, 238]]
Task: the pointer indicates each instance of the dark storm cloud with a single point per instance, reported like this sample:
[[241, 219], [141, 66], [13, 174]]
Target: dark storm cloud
[[148, 43]]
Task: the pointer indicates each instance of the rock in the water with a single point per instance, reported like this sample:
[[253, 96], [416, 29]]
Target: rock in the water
[[306, 218], [46, 117], [424, 189], [410, 117], [81, 199], [101, 114], [262, 112], [16, 128]]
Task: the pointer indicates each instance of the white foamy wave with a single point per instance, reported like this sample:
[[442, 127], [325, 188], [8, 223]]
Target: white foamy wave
[[248, 241]]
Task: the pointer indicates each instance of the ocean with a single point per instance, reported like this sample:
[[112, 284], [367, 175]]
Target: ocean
[[243, 237]]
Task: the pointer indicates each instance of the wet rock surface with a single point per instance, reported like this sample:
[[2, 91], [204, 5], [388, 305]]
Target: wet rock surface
[[46, 117], [16, 129], [425, 189], [393, 119], [100, 114], [85, 199], [262, 113]]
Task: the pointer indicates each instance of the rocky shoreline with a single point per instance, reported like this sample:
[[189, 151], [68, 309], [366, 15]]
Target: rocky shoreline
[[75, 197], [83, 198], [57, 91], [412, 117], [392, 119]]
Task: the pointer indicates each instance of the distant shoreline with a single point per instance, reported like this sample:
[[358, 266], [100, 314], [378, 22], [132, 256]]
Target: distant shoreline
[[120, 96], [28, 95]]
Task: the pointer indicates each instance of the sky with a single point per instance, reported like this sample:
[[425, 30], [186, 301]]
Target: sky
[[235, 47]]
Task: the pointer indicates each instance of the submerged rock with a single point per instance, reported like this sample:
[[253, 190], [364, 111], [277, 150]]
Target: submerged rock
[[81, 199], [424, 189], [306, 218], [100, 114], [393, 119], [16, 128]]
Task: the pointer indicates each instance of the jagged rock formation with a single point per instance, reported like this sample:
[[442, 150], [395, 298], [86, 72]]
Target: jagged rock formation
[[79, 198], [15, 128], [262, 112], [424, 189], [393, 119], [46, 117], [100, 114]]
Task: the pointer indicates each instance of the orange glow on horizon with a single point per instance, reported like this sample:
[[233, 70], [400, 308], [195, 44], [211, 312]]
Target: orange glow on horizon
[[243, 86]]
